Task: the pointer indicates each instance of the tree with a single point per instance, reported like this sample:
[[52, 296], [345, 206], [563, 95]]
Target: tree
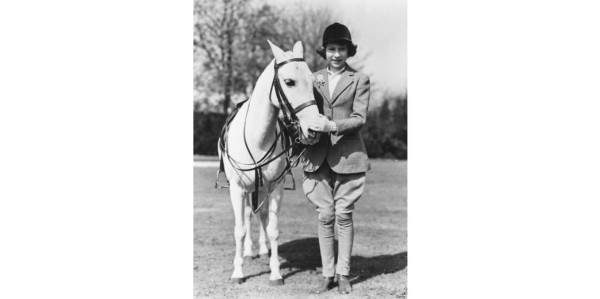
[[230, 45], [216, 27], [254, 51], [306, 23]]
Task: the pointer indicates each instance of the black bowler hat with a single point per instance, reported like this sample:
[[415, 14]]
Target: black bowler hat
[[335, 32]]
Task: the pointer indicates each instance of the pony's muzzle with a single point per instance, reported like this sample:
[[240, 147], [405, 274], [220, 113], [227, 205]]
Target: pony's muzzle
[[308, 136]]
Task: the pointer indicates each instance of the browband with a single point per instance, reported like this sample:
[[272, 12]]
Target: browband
[[277, 65]]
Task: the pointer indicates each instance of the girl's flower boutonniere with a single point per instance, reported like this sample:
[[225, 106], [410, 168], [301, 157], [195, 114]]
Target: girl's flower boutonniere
[[320, 80]]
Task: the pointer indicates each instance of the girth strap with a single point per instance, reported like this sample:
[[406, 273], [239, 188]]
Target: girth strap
[[255, 193], [257, 179]]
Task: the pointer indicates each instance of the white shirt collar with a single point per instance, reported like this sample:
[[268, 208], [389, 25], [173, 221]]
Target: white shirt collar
[[335, 73]]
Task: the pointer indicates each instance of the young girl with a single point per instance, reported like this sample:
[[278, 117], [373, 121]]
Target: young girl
[[334, 168]]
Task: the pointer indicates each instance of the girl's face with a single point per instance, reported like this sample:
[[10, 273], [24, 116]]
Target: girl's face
[[336, 55]]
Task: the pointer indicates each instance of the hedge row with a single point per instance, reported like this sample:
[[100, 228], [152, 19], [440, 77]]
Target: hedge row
[[385, 133]]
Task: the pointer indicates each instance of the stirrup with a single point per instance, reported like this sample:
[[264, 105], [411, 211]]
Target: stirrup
[[217, 186], [293, 181]]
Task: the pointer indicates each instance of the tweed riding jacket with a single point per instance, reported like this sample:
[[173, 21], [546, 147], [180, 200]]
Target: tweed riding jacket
[[344, 150]]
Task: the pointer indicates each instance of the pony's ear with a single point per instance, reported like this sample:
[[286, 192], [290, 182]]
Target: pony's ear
[[298, 49], [277, 52]]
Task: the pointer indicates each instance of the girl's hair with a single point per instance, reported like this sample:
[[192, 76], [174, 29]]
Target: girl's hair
[[351, 48]]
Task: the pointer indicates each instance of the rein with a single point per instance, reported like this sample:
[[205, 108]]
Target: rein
[[288, 133]]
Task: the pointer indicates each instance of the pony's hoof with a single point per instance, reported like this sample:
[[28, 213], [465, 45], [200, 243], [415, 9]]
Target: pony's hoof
[[276, 282], [237, 281], [264, 256]]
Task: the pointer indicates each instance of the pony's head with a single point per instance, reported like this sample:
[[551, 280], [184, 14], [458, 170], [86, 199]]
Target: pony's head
[[296, 82]]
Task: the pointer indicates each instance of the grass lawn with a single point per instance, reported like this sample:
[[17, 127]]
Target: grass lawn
[[379, 256]]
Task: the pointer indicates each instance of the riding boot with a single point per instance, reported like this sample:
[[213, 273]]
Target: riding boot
[[325, 284], [344, 286]]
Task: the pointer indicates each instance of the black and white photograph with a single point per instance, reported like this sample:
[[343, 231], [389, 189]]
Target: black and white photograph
[[300, 149], [301, 184]]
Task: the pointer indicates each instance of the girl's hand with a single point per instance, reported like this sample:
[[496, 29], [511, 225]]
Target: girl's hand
[[320, 123]]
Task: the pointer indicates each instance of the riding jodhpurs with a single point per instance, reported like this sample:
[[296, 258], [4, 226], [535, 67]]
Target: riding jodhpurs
[[334, 195]]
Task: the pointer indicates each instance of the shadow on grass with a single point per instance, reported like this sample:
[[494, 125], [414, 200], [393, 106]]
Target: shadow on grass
[[304, 255]]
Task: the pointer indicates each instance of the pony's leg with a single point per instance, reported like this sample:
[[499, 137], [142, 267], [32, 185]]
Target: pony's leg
[[248, 238], [262, 238], [238, 197], [273, 234]]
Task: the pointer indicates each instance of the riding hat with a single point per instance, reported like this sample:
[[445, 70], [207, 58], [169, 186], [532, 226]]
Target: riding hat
[[337, 32]]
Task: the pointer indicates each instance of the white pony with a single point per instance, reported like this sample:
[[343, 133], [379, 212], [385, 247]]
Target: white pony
[[252, 137]]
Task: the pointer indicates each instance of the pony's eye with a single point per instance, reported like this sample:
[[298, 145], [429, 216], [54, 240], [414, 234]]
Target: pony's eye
[[289, 82]]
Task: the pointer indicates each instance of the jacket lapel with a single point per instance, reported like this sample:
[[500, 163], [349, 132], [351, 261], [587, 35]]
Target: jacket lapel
[[324, 89], [345, 81]]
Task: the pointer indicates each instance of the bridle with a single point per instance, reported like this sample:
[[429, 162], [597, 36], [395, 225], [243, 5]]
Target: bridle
[[290, 117], [288, 133]]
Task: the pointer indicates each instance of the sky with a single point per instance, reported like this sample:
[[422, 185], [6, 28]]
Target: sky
[[378, 27]]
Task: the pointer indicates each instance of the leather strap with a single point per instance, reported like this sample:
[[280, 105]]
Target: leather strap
[[277, 65], [309, 103]]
